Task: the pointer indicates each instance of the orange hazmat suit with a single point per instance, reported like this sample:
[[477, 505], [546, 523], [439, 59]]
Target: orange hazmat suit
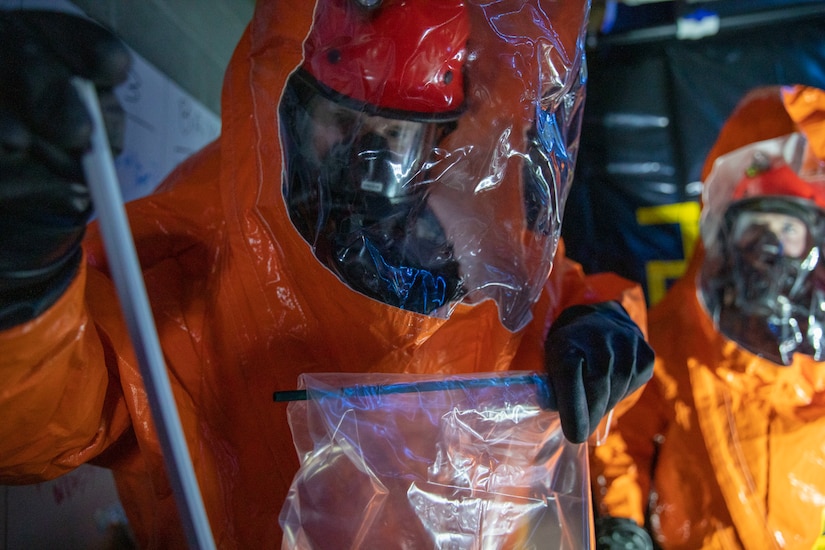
[[242, 307]]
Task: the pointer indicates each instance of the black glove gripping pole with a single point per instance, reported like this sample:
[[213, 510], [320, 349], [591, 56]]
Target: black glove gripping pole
[[99, 169]]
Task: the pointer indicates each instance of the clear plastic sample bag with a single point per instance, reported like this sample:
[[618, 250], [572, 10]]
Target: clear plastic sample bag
[[413, 461]]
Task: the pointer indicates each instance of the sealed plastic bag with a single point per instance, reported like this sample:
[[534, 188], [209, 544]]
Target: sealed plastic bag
[[411, 461]]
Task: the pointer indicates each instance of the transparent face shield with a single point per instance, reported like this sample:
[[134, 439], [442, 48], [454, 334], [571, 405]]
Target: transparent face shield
[[357, 190], [426, 214], [763, 279], [382, 155]]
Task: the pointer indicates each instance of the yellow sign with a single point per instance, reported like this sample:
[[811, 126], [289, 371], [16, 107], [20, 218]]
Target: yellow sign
[[659, 272]]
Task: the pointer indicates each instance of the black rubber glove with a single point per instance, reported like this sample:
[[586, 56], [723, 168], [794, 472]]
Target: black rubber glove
[[595, 356], [621, 534], [44, 129]]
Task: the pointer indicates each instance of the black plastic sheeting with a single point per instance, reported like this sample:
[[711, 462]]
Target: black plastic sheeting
[[653, 111]]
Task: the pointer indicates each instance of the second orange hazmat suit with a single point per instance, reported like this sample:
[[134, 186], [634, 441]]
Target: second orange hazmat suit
[[724, 449]]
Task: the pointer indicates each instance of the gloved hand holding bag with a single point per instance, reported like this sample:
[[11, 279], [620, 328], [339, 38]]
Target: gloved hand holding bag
[[595, 356]]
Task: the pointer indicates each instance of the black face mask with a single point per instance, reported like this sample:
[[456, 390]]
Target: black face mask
[[355, 188]]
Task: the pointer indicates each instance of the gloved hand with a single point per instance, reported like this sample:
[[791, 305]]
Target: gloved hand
[[595, 355], [614, 533], [44, 129]]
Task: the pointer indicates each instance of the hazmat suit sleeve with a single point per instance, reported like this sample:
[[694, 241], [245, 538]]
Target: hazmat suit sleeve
[[62, 406], [72, 388]]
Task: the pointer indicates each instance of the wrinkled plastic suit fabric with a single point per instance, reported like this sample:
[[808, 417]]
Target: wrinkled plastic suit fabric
[[724, 448], [403, 461], [243, 306]]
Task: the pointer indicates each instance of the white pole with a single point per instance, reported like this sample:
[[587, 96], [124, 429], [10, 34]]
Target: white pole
[[99, 168]]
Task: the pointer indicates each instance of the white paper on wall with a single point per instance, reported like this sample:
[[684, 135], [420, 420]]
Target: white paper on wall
[[164, 126]]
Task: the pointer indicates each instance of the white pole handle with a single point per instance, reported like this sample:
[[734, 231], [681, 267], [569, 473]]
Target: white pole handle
[[99, 168]]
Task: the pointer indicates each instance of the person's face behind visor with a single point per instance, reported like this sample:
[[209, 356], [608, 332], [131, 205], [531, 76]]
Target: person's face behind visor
[[762, 279], [778, 235], [386, 154], [357, 191]]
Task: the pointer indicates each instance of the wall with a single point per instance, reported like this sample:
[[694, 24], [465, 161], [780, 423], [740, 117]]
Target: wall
[[191, 41]]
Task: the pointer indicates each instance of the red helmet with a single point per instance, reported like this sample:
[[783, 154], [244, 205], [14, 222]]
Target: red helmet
[[403, 55], [778, 180]]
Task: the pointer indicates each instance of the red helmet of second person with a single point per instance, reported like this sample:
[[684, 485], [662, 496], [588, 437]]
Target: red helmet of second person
[[778, 180]]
